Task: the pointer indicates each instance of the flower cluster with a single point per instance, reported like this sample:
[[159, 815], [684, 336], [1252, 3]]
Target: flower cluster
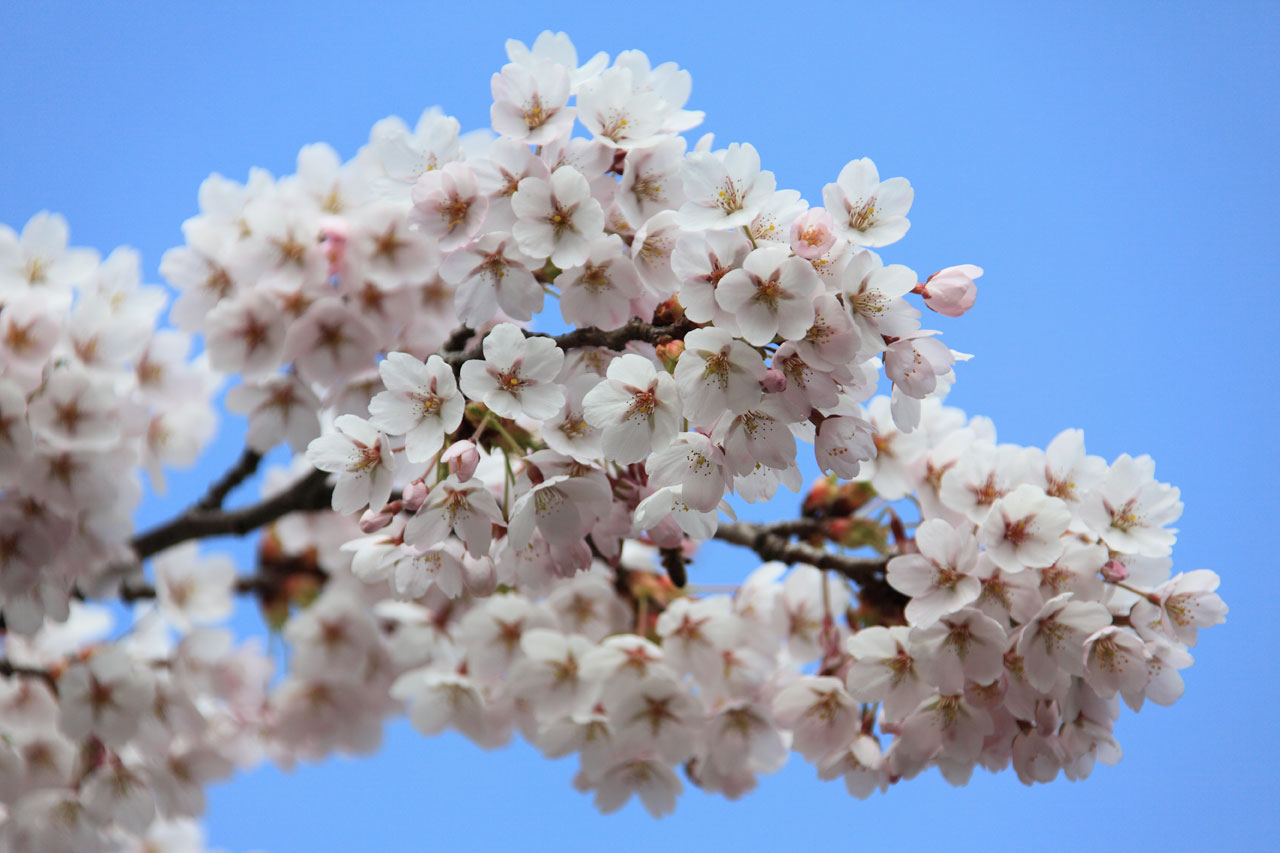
[[489, 527], [91, 393]]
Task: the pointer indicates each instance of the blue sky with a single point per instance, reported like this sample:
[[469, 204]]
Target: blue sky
[[1110, 165]]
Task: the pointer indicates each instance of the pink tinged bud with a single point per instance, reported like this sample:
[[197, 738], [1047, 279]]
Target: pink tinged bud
[[372, 522], [774, 382], [415, 495], [1114, 571], [812, 233], [462, 459], [333, 237], [951, 292]]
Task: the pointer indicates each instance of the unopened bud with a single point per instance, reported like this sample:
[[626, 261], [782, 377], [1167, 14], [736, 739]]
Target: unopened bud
[[414, 495], [372, 522], [1114, 571], [333, 238], [951, 292], [670, 353], [819, 497], [774, 381], [462, 459]]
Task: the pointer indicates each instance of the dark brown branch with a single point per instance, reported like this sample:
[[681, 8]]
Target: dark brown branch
[[267, 581], [590, 336], [8, 669], [457, 339], [308, 494], [244, 468], [770, 543]]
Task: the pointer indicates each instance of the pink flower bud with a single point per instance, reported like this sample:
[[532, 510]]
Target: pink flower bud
[[415, 495], [951, 292], [774, 381], [333, 237], [372, 522], [1114, 571], [462, 459], [812, 233]]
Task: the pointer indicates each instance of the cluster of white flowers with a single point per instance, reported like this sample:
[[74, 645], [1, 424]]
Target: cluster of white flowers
[[90, 392], [520, 496]]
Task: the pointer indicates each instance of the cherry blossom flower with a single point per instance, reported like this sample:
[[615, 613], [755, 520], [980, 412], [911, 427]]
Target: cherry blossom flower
[[822, 715], [812, 234], [361, 457], [636, 407], [651, 180], [466, 508], [245, 335], [843, 443], [772, 294], [696, 465], [700, 262], [964, 645], [619, 111], [941, 578], [598, 292], [653, 782], [191, 589], [717, 374], [448, 206], [280, 408], [1181, 605], [74, 412], [557, 47], [516, 375], [873, 294], [1129, 509], [1024, 529], [40, 260], [656, 715], [884, 670], [529, 101], [1115, 662], [563, 508], [490, 274], [725, 189], [1054, 638], [421, 403], [104, 697], [557, 218], [567, 431], [330, 342], [757, 436], [866, 210]]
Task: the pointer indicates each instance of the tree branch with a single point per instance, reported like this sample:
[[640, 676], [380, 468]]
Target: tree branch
[[770, 543], [590, 336], [8, 669], [307, 494], [244, 468]]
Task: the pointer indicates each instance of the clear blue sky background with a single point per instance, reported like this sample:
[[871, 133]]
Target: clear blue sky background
[[1111, 165]]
